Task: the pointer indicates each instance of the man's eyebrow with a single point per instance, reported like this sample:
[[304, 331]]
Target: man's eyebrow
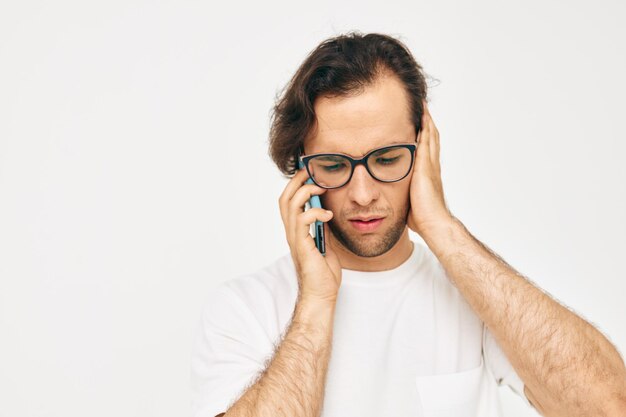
[[380, 145]]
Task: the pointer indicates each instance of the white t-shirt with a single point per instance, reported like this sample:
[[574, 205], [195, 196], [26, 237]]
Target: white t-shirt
[[405, 343]]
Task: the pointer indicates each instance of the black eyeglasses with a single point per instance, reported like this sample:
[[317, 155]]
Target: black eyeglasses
[[386, 164]]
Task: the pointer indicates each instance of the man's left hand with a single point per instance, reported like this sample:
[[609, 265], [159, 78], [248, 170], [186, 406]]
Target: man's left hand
[[428, 205]]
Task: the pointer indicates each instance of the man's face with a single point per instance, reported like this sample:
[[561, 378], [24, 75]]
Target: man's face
[[353, 126]]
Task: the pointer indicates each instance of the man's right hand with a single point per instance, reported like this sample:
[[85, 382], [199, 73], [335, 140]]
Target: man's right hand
[[319, 277]]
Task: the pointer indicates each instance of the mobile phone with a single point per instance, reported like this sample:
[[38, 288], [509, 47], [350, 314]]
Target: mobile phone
[[318, 227]]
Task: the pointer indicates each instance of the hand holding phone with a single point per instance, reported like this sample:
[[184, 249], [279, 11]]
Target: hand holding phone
[[319, 277], [318, 228]]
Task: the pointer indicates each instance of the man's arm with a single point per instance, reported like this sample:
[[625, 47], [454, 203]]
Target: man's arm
[[569, 368], [293, 382]]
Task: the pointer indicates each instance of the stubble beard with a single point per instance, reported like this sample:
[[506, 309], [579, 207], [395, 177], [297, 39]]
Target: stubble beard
[[369, 248]]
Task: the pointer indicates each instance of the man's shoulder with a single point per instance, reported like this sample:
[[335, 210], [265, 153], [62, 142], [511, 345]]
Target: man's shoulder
[[278, 274], [273, 284], [430, 265], [437, 278]]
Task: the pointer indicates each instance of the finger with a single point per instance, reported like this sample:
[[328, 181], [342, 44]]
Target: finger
[[437, 153], [302, 195], [304, 221], [296, 205], [290, 189], [293, 185], [423, 146], [434, 142], [425, 105], [433, 127]]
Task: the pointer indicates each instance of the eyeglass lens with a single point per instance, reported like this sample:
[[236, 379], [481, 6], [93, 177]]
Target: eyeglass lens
[[388, 164]]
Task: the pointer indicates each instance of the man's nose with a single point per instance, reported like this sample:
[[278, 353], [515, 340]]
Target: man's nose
[[362, 188]]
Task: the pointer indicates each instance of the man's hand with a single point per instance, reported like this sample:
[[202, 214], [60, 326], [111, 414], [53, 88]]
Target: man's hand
[[568, 367], [319, 277], [428, 205]]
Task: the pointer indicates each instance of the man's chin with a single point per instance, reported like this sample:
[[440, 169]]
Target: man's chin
[[367, 245]]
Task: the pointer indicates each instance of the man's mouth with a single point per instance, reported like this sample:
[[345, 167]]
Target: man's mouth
[[368, 225]]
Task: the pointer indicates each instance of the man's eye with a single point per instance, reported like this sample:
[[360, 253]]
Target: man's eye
[[333, 168], [387, 161]]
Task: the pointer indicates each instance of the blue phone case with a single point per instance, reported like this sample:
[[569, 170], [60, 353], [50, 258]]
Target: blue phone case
[[318, 229]]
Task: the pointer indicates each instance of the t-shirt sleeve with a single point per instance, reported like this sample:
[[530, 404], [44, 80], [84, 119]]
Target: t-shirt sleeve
[[229, 353], [500, 367]]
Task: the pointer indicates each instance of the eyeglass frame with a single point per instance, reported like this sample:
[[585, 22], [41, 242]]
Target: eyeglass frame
[[304, 159]]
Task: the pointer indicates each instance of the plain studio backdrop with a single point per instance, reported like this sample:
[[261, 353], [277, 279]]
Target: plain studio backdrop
[[134, 174]]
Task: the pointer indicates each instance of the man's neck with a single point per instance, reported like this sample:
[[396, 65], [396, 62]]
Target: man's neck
[[393, 258]]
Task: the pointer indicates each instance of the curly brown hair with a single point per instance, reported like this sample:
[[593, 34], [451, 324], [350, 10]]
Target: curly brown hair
[[341, 66]]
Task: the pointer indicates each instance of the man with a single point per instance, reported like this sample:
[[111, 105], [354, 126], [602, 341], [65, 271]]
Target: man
[[381, 325]]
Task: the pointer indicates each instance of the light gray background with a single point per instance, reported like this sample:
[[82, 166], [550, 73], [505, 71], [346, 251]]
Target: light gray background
[[134, 174]]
